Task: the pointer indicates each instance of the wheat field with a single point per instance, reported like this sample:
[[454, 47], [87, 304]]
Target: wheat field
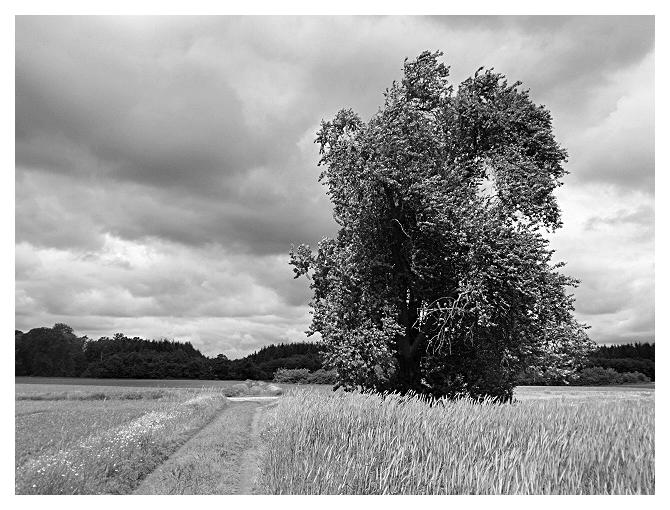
[[316, 443]]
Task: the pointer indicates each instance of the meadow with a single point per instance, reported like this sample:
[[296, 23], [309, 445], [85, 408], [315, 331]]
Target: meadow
[[169, 438], [573, 441]]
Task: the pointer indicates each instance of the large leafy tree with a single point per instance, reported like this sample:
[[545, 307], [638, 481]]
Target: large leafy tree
[[440, 279]]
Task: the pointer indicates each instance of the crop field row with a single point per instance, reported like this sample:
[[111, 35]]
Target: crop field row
[[368, 444]]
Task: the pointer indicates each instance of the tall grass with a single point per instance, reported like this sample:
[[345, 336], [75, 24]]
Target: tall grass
[[366, 444], [106, 455]]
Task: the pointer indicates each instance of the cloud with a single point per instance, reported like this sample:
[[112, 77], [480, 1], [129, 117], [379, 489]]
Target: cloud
[[640, 217], [56, 211], [191, 138], [157, 117], [618, 148], [166, 287], [608, 243]]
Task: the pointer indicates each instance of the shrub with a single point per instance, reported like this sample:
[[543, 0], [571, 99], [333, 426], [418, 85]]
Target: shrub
[[624, 365], [292, 375], [322, 376], [634, 378], [603, 376], [597, 376], [304, 376], [589, 376]]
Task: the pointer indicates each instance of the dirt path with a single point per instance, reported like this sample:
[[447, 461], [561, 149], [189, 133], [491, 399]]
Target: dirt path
[[249, 466], [220, 459]]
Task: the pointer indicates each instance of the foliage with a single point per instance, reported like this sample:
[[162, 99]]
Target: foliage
[[294, 355], [625, 365], [57, 352], [440, 280], [322, 376], [639, 366], [304, 376], [636, 350], [291, 375], [263, 364], [633, 378], [595, 376], [624, 358], [387, 444]]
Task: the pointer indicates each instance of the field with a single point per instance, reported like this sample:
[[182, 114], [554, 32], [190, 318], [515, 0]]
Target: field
[[79, 439], [65, 382], [168, 438], [577, 443]]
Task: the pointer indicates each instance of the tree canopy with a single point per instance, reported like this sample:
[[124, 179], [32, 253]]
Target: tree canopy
[[440, 279]]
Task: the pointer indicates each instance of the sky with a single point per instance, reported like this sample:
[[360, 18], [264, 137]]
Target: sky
[[165, 165]]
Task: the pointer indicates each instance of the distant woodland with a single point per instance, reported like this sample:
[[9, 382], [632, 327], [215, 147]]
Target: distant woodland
[[58, 352]]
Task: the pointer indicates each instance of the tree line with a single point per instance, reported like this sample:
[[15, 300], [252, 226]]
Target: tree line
[[607, 364], [58, 352]]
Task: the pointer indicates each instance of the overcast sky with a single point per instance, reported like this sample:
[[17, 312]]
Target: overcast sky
[[164, 166]]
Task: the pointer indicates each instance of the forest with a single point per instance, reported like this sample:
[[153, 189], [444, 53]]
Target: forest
[[59, 352]]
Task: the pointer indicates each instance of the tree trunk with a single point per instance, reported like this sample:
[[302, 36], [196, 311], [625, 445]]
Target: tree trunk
[[409, 352], [410, 345]]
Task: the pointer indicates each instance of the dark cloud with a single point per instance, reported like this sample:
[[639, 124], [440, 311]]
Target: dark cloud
[[178, 124], [55, 211], [165, 165], [564, 56]]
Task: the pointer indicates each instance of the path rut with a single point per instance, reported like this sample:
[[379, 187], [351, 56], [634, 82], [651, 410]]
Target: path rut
[[222, 458], [249, 466]]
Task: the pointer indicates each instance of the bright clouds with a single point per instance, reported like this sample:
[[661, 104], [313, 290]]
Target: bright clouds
[[165, 165], [608, 243], [163, 289]]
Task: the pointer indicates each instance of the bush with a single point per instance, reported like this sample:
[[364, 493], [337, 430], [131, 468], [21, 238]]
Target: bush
[[634, 378], [292, 375], [322, 376], [596, 376], [626, 365], [304, 376], [603, 376]]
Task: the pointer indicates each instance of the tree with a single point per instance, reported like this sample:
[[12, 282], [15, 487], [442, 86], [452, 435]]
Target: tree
[[440, 280], [56, 352], [19, 366]]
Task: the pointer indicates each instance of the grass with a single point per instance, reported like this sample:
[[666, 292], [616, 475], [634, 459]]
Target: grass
[[94, 442], [210, 463], [92, 439], [95, 395], [365, 444]]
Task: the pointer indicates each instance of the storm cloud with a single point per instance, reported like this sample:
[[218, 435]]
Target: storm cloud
[[164, 165]]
